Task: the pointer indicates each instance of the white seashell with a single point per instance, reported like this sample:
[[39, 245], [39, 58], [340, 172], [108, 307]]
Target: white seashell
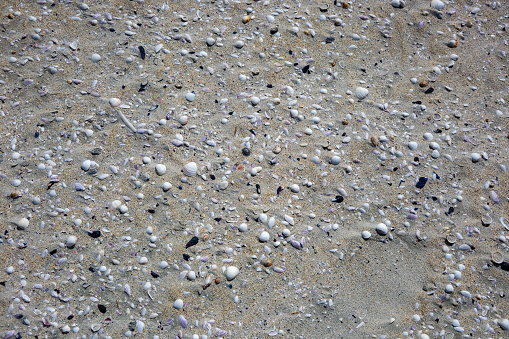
[[22, 223], [71, 241], [115, 102], [497, 257], [85, 165], [263, 218], [412, 145], [255, 170], [140, 326], [160, 169], [382, 229], [335, 160], [166, 186], [183, 120], [289, 220], [295, 188], [231, 272], [178, 304], [271, 222], [366, 235], [361, 93], [190, 169], [437, 4], [264, 236], [398, 3], [255, 101], [243, 227], [223, 185], [504, 324]]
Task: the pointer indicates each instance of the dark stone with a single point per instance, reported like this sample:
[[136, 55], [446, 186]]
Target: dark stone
[[96, 151], [154, 274], [429, 90], [505, 266], [186, 256], [192, 242], [101, 308], [142, 52], [246, 151], [422, 182], [338, 199], [94, 234]]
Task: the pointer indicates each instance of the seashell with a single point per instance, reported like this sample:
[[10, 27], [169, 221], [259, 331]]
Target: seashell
[[140, 326], [183, 120], [115, 102], [366, 235], [398, 3], [246, 19], [277, 149], [231, 272], [375, 141], [190, 169], [450, 239], [437, 4], [22, 224], [504, 223], [95, 327], [182, 321], [361, 93], [335, 160], [160, 169], [497, 257], [381, 229], [223, 185], [85, 165], [453, 43], [486, 220]]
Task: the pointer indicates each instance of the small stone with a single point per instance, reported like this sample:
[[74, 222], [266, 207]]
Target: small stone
[[210, 41], [504, 324], [85, 165], [255, 101], [231, 272], [66, 329], [246, 152], [190, 96]]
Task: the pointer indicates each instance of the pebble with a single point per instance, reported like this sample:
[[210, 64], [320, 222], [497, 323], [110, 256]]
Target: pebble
[[381, 229], [71, 241], [264, 237], [115, 102], [190, 96], [475, 157], [22, 224], [366, 235], [178, 304], [412, 145]]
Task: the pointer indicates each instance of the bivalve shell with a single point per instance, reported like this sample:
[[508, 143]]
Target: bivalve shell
[[190, 169], [231, 272], [361, 93], [497, 257], [115, 102], [160, 169], [437, 4]]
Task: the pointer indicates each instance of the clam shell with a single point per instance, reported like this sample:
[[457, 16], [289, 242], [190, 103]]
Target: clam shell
[[190, 169], [497, 257], [450, 239], [361, 93], [486, 220], [115, 102], [437, 4]]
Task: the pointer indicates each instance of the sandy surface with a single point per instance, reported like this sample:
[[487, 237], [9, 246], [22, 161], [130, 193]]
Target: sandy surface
[[278, 132]]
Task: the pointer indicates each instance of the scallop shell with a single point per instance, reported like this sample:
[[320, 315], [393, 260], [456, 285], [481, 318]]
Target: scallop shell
[[361, 93], [437, 4], [190, 169], [486, 220]]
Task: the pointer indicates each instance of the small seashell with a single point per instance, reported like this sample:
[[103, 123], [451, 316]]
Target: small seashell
[[115, 102], [178, 304], [190, 169], [223, 185], [475, 157], [277, 149], [382, 229], [450, 239], [366, 235], [453, 43], [231, 272], [398, 3], [361, 93], [85, 165], [22, 224], [497, 257], [375, 141], [140, 326], [95, 327], [182, 321], [160, 169], [246, 19], [264, 236], [486, 220], [437, 4], [71, 241]]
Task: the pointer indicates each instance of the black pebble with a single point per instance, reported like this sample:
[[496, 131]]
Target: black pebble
[[154, 274], [94, 234], [451, 209], [246, 151], [505, 266], [339, 198], [429, 90], [305, 69], [422, 181], [142, 52], [186, 256], [192, 242], [101, 308]]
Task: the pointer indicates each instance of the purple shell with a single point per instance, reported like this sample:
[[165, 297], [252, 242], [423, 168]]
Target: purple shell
[[182, 321], [412, 216], [494, 197], [9, 334]]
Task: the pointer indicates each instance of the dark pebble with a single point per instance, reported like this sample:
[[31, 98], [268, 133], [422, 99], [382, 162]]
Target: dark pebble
[[429, 90], [94, 234], [246, 152], [101, 308], [192, 242], [339, 198], [154, 274], [142, 52], [505, 266], [96, 151], [186, 256], [422, 182]]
